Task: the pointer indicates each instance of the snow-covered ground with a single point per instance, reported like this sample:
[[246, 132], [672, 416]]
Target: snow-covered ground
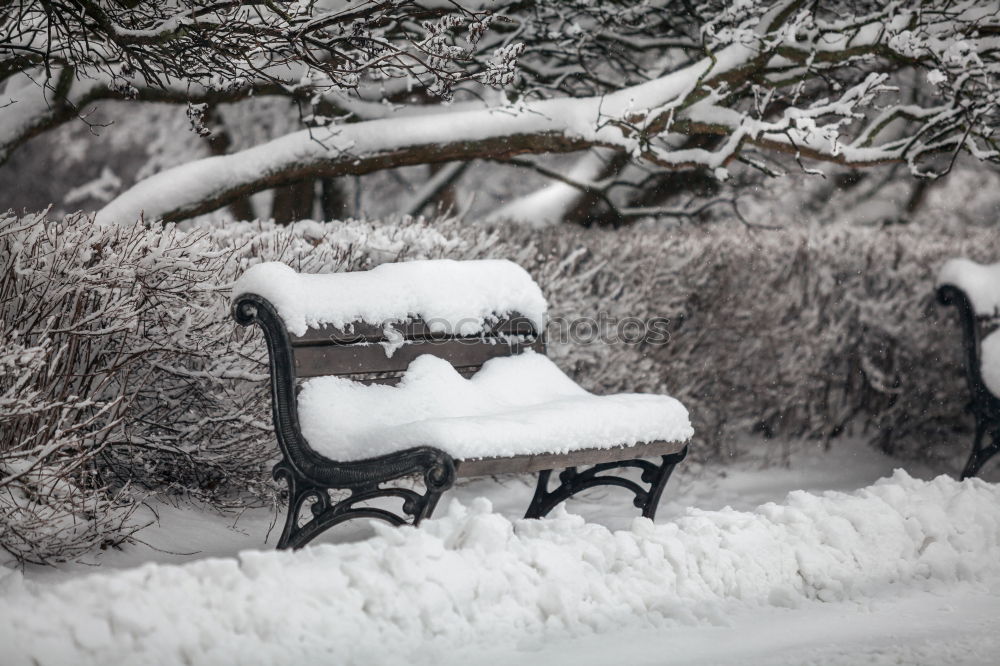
[[817, 561]]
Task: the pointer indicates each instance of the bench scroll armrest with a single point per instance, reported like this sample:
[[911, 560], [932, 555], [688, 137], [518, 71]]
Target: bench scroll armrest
[[951, 295], [437, 467]]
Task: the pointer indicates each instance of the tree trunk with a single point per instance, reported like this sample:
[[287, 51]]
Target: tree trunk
[[219, 143], [333, 199], [294, 202]]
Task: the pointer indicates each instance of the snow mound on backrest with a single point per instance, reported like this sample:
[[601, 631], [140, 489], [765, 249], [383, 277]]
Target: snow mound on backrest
[[474, 577], [454, 297], [980, 282]]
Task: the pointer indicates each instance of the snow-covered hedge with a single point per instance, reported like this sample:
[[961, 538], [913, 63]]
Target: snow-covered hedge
[[797, 332], [121, 371]]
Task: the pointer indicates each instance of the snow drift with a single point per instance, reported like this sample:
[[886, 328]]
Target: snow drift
[[473, 578]]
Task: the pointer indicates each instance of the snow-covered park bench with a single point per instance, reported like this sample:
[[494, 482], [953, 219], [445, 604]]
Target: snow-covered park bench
[[435, 369], [974, 290]]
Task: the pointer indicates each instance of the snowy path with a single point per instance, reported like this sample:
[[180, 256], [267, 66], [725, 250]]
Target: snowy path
[[961, 627], [905, 571]]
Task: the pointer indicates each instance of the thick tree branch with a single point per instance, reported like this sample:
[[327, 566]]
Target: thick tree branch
[[789, 76], [561, 125]]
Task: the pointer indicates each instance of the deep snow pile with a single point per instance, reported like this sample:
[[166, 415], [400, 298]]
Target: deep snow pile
[[473, 578]]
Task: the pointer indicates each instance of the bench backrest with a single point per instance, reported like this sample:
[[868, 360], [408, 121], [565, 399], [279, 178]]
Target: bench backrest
[[381, 354], [368, 323]]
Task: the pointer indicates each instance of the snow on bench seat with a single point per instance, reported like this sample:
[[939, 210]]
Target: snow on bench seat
[[516, 405], [979, 281], [453, 297]]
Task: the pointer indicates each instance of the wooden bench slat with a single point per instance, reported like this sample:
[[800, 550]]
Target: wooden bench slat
[[418, 329], [393, 378], [538, 462], [318, 361]]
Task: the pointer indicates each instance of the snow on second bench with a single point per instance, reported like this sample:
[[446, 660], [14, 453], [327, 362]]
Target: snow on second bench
[[453, 297], [981, 283], [515, 405]]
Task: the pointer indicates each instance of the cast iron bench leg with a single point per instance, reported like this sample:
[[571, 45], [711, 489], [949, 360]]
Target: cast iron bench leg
[[980, 455], [573, 481], [327, 513]]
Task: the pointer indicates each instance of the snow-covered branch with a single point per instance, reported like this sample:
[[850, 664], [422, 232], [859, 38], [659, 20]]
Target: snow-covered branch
[[556, 125], [816, 81], [823, 110]]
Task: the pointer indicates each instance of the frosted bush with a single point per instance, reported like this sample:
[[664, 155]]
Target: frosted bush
[[798, 332], [121, 372]]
